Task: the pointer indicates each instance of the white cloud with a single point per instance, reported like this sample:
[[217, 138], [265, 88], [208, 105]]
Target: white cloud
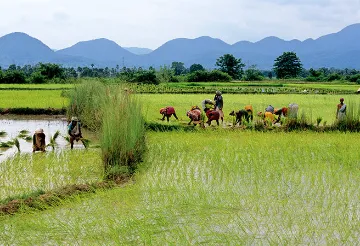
[[150, 23]]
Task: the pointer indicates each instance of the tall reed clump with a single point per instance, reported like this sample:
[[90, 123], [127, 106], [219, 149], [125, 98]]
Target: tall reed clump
[[86, 102], [116, 115], [123, 134]]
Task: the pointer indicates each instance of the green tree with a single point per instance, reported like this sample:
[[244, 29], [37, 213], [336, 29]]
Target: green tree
[[288, 65], [37, 78], [178, 68], [14, 77], [196, 67], [230, 65], [50, 71], [253, 74], [165, 74], [1, 76]]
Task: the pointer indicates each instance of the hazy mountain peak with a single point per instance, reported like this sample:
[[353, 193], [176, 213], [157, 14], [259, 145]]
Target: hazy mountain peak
[[332, 50]]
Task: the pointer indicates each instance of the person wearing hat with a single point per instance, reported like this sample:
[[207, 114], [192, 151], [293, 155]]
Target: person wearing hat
[[39, 140], [341, 110], [74, 131], [167, 112], [219, 103]]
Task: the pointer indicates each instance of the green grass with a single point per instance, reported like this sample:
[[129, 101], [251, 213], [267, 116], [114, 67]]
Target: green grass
[[32, 99], [27, 173], [314, 106], [347, 87], [231, 188], [36, 86]]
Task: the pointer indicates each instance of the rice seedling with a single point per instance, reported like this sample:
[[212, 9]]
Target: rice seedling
[[216, 187], [25, 132], [52, 143], [28, 138], [25, 99], [6, 144], [17, 144], [85, 142], [318, 121], [26, 173]]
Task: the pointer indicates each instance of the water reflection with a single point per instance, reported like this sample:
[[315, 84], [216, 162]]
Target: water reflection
[[12, 127]]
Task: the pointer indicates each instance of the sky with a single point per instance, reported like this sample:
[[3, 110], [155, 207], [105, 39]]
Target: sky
[[151, 23]]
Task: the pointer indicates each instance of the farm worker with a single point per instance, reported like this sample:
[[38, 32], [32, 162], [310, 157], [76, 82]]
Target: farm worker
[[39, 140], [242, 113], [267, 116], [219, 103], [74, 131], [270, 109], [293, 110], [250, 111], [341, 110], [194, 115], [207, 104], [281, 111], [167, 112], [246, 114], [213, 115]]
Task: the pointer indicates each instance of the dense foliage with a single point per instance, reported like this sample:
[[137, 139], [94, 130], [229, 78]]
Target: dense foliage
[[230, 65], [288, 65]]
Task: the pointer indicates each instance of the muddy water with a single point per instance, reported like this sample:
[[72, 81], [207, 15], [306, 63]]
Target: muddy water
[[50, 125]]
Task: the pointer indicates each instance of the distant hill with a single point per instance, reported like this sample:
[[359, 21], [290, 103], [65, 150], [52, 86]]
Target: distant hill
[[103, 51], [339, 50], [22, 49], [138, 51]]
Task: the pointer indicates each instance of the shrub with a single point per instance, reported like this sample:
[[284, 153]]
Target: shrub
[[86, 101], [205, 76], [117, 116], [334, 76], [354, 78], [14, 77], [146, 77], [198, 76], [123, 133], [37, 78], [216, 75], [253, 74]]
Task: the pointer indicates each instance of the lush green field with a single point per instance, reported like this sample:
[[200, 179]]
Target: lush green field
[[32, 99], [312, 105], [28, 173], [35, 86], [336, 85], [216, 187], [348, 87]]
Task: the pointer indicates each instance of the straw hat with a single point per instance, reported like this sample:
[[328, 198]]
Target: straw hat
[[218, 93], [74, 119], [40, 130]]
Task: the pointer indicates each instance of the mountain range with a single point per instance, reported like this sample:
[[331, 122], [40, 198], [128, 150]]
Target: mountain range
[[338, 50]]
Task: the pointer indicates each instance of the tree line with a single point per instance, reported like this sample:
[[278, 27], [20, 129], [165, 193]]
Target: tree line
[[228, 68]]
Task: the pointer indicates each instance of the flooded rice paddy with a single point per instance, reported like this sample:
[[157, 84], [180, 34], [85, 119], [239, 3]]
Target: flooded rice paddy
[[24, 128]]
